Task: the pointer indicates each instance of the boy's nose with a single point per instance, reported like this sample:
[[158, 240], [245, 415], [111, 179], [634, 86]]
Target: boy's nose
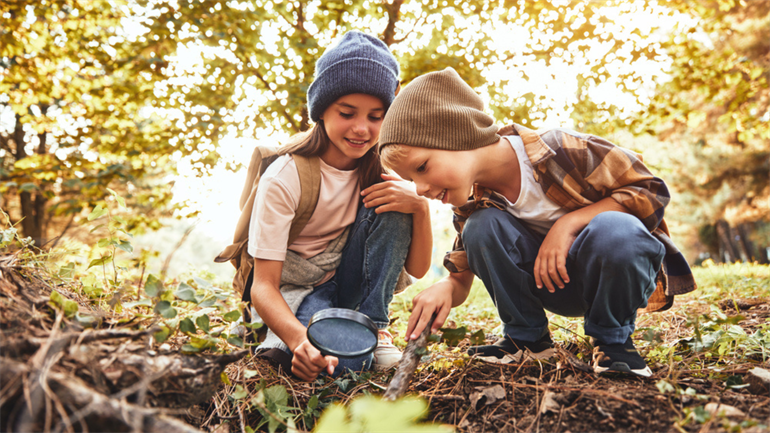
[[422, 189]]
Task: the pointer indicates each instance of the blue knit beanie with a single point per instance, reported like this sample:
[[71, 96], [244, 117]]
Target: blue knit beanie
[[359, 63]]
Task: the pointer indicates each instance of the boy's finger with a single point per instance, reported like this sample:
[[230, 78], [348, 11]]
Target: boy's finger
[[538, 281], [421, 324], [440, 319], [562, 266], [412, 322]]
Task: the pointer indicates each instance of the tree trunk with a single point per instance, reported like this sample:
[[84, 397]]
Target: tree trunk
[[728, 251], [32, 205]]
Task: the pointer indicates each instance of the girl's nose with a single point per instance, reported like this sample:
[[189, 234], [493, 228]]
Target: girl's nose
[[359, 127]]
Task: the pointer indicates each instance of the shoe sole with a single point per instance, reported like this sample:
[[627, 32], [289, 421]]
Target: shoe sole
[[623, 368], [517, 357]]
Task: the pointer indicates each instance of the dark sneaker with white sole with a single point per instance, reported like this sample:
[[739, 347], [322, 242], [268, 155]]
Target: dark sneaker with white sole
[[619, 358], [507, 350]]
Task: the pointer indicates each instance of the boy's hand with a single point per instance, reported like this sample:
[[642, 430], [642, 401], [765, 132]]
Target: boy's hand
[[308, 362], [436, 298], [394, 195], [551, 261]]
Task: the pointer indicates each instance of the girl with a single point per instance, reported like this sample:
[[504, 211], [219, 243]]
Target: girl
[[347, 256]]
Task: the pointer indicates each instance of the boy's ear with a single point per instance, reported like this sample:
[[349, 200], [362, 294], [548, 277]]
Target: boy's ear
[[398, 88]]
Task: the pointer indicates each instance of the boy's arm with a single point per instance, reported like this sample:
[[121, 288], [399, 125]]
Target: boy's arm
[[551, 262], [441, 297], [266, 298]]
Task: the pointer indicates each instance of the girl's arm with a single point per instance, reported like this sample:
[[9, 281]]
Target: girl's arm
[[266, 298], [395, 195]]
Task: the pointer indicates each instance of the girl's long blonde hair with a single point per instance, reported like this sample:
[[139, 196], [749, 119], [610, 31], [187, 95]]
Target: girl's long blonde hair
[[314, 142]]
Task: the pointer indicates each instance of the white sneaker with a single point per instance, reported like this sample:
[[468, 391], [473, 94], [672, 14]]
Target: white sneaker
[[386, 354]]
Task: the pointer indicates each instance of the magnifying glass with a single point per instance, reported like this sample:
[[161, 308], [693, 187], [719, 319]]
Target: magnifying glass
[[342, 333]]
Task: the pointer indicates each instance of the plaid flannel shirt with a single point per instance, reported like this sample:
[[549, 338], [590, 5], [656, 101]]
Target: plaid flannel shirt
[[576, 170]]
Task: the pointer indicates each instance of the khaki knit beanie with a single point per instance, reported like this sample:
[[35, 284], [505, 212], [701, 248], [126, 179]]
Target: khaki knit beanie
[[438, 110]]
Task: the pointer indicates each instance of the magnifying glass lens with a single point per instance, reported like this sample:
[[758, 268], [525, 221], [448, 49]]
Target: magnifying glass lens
[[343, 333]]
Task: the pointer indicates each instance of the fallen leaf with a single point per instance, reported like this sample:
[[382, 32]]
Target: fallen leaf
[[548, 403], [728, 411], [487, 395]]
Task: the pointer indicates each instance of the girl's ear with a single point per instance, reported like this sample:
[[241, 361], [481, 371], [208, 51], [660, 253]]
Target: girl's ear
[[398, 88]]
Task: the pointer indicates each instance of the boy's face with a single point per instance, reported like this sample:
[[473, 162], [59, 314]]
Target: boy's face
[[443, 175]]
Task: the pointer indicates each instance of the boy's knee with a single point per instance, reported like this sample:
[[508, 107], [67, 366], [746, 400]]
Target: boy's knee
[[482, 228], [619, 236]]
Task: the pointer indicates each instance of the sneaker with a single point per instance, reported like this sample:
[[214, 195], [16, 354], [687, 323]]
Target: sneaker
[[619, 358], [507, 350], [386, 354]]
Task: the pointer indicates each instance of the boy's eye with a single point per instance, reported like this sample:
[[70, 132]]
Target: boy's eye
[[375, 118], [421, 168]]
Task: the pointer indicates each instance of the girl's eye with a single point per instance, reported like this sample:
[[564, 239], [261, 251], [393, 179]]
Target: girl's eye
[[346, 115], [421, 168]]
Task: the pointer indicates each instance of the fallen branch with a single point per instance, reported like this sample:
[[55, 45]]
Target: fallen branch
[[408, 364], [97, 411]]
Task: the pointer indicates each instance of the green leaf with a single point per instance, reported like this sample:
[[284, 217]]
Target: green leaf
[[67, 271], [144, 302], [153, 286], [185, 293], [239, 393], [235, 341], [189, 348], [453, 336], [165, 309], [67, 306], [125, 246], [162, 335], [203, 322], [478, 338], [187, 326], [100, 261], [98, 212], [224, 378], [121, 202], [232, 316], [248, 374]]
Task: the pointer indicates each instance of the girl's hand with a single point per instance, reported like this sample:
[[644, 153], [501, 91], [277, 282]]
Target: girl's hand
[[551, 261], [394, 195], [308, 362]]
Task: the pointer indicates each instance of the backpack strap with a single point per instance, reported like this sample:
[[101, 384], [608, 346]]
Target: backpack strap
[[309, 169]]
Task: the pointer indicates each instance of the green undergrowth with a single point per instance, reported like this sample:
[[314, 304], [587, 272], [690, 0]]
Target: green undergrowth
[[195, 313]]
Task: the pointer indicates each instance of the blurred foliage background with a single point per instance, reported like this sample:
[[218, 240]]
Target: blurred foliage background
[[119, 94]]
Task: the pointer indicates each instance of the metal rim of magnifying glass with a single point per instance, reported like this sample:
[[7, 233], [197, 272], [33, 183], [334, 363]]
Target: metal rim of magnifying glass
[[343, 313]]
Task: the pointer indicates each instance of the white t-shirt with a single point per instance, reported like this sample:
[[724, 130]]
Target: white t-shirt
[[533, 207], [276, 204]]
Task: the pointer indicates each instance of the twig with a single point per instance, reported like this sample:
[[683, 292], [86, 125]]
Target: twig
[[408, 364]]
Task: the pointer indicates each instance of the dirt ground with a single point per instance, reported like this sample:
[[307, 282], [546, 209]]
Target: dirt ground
[[58, 376], [561, 395]]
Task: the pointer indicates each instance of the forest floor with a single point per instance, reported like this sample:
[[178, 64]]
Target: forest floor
[[75, 361]]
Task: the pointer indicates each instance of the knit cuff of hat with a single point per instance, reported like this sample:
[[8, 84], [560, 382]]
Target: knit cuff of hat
[[349, 76], [438, 110]]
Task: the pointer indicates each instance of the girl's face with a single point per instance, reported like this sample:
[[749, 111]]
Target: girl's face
[[352, 124]]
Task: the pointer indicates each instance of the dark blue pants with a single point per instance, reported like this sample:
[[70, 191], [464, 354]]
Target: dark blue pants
[[612, 267], [367, 275]]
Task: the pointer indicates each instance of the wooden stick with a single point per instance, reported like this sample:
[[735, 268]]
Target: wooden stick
[[408, 364]]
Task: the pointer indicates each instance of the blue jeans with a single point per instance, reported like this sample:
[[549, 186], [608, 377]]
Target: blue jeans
[[612, 267], [367, 275]]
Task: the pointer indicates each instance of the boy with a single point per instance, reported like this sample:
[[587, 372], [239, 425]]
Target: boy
[[557, 220]]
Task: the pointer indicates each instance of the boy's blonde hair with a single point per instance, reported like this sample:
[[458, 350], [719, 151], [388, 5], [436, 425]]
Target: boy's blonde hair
[[391, 155]]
